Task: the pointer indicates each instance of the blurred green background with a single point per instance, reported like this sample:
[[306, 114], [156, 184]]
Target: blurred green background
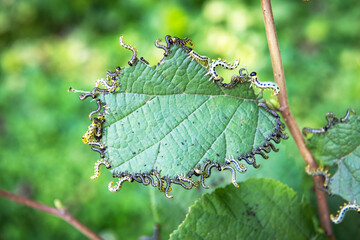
[[48, 46]]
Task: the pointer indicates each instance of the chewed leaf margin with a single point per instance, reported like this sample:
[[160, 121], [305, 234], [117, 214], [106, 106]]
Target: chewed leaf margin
[[154, 178]]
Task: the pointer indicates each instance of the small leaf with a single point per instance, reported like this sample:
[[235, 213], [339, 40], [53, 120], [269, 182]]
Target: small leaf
[[263, 209], [167, 120]]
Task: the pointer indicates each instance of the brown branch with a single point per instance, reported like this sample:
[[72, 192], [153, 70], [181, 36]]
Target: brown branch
[[288, 117], [61, 213]]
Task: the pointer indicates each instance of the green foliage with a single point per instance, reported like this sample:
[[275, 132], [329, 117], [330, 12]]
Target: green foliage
[[272, 211], [340, 146], [171, 118], [47, 46]]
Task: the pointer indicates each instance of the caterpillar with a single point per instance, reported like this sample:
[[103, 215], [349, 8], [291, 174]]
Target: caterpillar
[[143, 61], [160, 180], [233, 177], [97, 168], [240, 167], [101, 151], [203, 60], [167, 188], [319, 172], [166, 49], [272, 112], [235, 80], [343, 209], [331, 121], [131, 48], [213, 74], [182, 179], [99, 104], [110, 88], [151, 179], [205, 172], [247, 158], [110, 75], [175, 40], [93, 129], [264, 85], [345, 118], [119, 183]]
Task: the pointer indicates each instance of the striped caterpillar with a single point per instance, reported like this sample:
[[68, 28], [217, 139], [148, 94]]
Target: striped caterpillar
[[110, 75], [203, 60], [158, 45], [240, 167], [119, 183], [213, 74], [343, 209], [97, 168], [233, 177], [319, 172], [264, 85], [178, 41], [131, 48]]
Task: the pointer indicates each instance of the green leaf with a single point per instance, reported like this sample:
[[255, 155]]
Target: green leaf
[[171, 119], [263, 209], [340, 145]]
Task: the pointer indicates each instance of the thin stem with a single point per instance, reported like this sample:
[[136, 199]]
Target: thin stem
[[288, 117], [61, 213]]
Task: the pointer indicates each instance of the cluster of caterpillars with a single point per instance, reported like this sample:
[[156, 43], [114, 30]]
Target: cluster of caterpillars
[[93, 135], [331, 121], [211, 65]]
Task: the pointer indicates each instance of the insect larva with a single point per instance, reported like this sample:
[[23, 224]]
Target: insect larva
[[166, 49], [131, 48], [119, 183], [214, 75], [98, 102], [97, 168], [258, 151], [143, 61], [247, 158], [306, 131], [101, 151], [191, 182], [240, 167], [203, 60], [347, 115], [272, 112], [109, 88], [235, 80], [233, 177], [151, 179], [343, 209], [319, 172], [160, 180], [264, 85], [110, 75], [185, 41], [167, 188]]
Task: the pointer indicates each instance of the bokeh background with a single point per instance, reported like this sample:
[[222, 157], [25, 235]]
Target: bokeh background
[[48, 46]]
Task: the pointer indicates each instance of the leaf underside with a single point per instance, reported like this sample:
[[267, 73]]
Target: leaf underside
[[271, 212], [171, 118], [340, 145]]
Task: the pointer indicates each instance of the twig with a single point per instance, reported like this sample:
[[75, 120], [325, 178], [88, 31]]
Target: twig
[[61, 213], [288, 117]]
